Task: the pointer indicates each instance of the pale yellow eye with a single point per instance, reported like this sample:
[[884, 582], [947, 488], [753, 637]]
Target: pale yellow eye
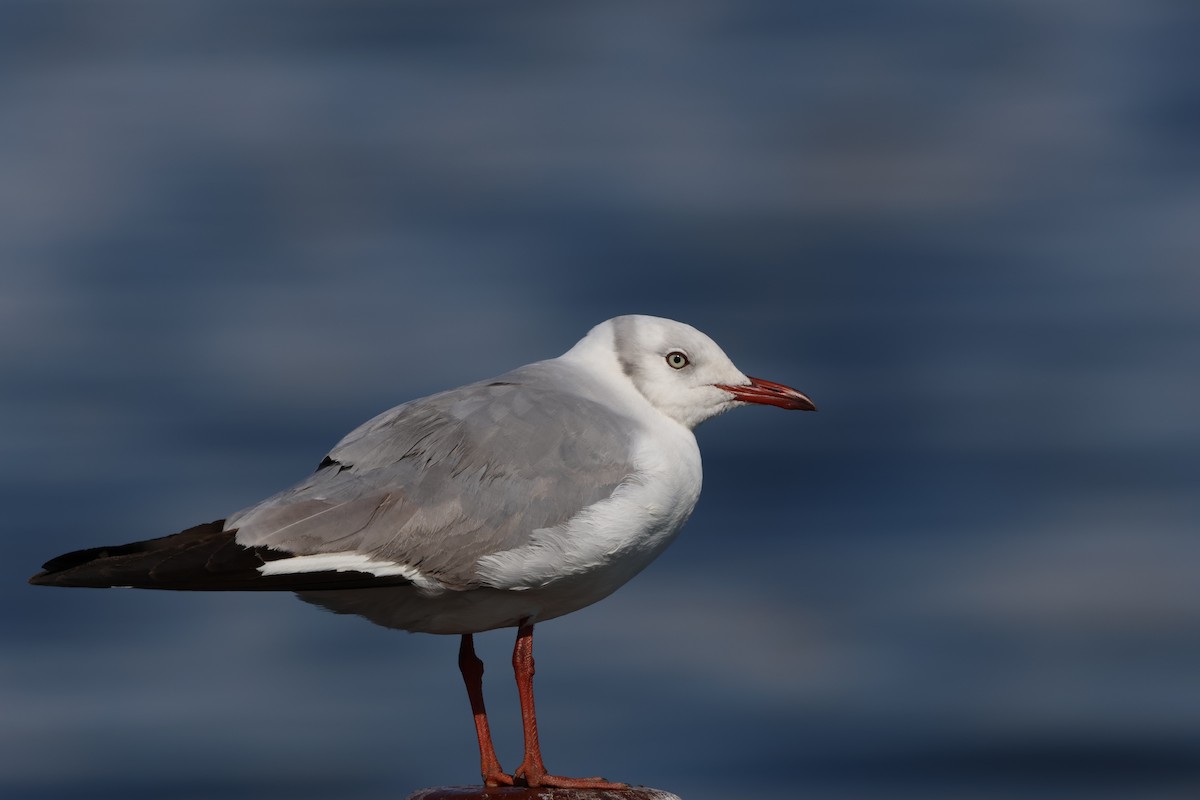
[[677, 360]]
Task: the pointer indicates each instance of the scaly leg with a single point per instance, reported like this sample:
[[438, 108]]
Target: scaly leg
[[532, 769], [472, 672]]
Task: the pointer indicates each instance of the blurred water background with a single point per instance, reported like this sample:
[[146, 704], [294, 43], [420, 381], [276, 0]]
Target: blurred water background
[[231, 231]]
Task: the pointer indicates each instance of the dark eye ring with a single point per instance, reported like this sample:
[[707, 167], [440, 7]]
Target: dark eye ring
[[677, 360]]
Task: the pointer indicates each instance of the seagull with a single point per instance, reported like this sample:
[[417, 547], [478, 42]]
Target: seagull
[[499, 504]]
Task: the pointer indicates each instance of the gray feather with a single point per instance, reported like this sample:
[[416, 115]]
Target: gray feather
[[439, 482]]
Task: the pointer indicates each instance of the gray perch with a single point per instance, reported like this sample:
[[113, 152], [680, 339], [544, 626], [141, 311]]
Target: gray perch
[[495, 505]]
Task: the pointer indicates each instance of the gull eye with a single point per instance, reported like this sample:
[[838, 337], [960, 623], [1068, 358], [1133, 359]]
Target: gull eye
[[677, 360]]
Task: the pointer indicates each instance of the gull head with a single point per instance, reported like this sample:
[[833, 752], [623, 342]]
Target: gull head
[[681, 371]]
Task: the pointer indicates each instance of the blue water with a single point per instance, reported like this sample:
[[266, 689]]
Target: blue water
[[231, 231]]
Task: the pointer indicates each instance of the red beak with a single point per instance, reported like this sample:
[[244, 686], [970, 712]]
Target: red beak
[[771, 394]]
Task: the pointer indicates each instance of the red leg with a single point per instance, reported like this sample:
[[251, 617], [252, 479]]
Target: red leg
[[472, 672], [532, 769]]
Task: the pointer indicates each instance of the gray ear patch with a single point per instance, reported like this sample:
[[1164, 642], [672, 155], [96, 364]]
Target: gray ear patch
[[623, 338]]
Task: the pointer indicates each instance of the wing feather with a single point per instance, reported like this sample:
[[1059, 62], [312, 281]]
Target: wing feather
[[440, 482]]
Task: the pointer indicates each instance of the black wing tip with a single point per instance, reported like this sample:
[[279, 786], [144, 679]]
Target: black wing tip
[[41, 579], [62, 570], [57, 571], [202, 558], [64, 579], [77, 557]]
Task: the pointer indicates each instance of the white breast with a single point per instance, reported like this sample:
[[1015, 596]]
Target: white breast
[[587, 558]]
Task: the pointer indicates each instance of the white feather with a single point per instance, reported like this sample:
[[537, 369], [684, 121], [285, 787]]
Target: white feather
[[347, 562]]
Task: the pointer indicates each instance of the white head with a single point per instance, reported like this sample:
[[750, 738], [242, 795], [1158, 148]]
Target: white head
[[682, 372]]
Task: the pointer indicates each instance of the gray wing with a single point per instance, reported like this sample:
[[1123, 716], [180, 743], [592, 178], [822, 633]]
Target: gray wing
[[439, 482]]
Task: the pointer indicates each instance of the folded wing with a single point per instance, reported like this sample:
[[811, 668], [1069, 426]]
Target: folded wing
[[416, 495]]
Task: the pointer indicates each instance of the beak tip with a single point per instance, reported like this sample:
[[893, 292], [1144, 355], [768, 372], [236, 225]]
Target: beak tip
[[772, 394]]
